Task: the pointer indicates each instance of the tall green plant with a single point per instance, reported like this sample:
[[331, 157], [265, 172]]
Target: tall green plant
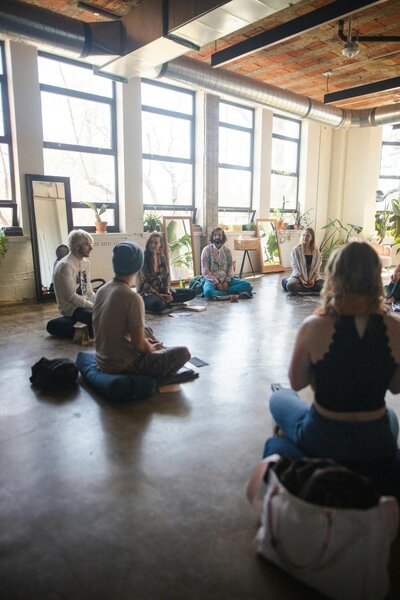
[[336, 234]]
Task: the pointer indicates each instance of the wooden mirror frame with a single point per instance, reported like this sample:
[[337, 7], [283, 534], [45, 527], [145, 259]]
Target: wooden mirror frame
[[274, 267], [187, 273], [57, 233]]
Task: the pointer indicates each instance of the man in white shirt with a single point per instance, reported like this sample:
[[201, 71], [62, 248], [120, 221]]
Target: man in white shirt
[[71, 280]]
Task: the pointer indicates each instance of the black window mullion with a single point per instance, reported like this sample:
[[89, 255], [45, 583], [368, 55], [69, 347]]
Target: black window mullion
[[60, 91], [165, 158], [6, 139], [77, 148], [171, 114]]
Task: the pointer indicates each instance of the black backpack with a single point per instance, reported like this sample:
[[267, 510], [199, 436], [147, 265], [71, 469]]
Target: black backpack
[[54, 374]]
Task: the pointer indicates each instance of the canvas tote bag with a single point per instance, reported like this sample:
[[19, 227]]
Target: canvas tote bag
[[341, 552]]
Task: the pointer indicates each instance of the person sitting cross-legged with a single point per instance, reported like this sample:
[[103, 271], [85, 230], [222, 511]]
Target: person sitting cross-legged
[[349, 352], [118, 319], [305, 261], [153, 279], [71, 279], [217, 270]]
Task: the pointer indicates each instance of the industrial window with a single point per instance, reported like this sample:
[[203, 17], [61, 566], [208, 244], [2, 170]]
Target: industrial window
[[389, 174], [285, 163], [79, 136], [235, 165], [8, 206], [168, 148]]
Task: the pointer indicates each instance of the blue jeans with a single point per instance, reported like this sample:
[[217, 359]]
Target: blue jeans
[[236, 286], [343, 441]]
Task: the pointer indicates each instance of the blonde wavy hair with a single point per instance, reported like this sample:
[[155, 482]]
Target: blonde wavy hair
[[353, 269], [312, 233]]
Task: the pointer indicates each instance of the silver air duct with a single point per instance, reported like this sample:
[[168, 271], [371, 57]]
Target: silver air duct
[[221, 81], [33, 25], [138, 42]]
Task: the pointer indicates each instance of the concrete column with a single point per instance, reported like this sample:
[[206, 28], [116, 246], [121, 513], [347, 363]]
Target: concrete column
[[130, 157], [262, 162], [26, 120], [211, 150]]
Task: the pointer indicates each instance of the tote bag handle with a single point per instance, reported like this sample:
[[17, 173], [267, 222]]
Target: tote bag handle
[[317, 563]]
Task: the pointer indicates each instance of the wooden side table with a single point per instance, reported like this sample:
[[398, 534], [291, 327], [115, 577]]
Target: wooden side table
[[246, 245]]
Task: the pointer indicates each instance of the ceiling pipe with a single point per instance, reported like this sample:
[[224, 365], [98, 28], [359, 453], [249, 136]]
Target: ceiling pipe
[[221, 81], [30, 24], [63, 34]]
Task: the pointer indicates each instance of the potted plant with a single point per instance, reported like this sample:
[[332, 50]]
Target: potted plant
[[388, 219], [336, 234], [278, 216], [101, 226], [302, 220], [151, 222]]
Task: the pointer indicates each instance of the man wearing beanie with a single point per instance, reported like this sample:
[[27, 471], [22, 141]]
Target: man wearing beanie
[[118, 319]]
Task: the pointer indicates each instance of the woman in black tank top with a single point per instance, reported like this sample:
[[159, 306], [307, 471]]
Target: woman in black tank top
[[348, 351]]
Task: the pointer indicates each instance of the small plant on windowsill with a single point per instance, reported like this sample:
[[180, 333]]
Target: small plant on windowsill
[[151, 222], [101, 226], [278, 215]]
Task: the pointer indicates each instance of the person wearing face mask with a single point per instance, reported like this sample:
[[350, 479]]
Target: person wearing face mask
[[305, 261], [217, 270]]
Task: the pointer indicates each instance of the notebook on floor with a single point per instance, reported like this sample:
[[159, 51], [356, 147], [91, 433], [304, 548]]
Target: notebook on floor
[[184, 374]]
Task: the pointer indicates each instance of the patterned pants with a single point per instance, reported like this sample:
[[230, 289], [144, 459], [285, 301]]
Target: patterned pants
[[160, 363]]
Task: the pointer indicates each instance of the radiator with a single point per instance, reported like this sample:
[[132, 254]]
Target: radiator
[[101, 255]]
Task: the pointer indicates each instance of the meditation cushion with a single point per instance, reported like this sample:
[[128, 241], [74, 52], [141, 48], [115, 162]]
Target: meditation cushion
[[114, 386], [62, 327]]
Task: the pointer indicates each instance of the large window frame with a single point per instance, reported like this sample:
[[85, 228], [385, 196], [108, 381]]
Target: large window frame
[[243, 213], [109, 102], [190, 118], [388, 180], [8, 203], [292, 174]]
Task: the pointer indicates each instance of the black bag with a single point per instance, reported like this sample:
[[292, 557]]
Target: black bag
[[324, 482], [54, 374]]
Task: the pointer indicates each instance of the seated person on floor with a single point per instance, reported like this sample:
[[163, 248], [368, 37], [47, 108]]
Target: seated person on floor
[[153, 280], [118, 319], [71, 280], [217, 269], [392, 290], [349, 351], [61, 251], [305, 260]]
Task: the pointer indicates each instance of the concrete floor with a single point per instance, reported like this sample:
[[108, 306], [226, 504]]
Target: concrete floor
[[145, 501]]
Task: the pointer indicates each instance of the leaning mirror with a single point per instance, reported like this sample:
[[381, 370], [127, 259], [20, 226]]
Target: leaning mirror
[[270, 252], [50, 221], [178, 235]]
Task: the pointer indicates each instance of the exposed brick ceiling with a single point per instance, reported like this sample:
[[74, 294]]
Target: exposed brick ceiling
[[299, 64]]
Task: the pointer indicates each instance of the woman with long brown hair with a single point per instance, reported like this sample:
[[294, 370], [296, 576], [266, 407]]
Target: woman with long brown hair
[[153, 280], [349, 352], [305, 261]]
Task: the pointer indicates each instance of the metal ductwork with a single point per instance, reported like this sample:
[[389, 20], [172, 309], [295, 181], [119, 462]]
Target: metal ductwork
[[157, 31], [153, 32], [51, 32], [222, 81]]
